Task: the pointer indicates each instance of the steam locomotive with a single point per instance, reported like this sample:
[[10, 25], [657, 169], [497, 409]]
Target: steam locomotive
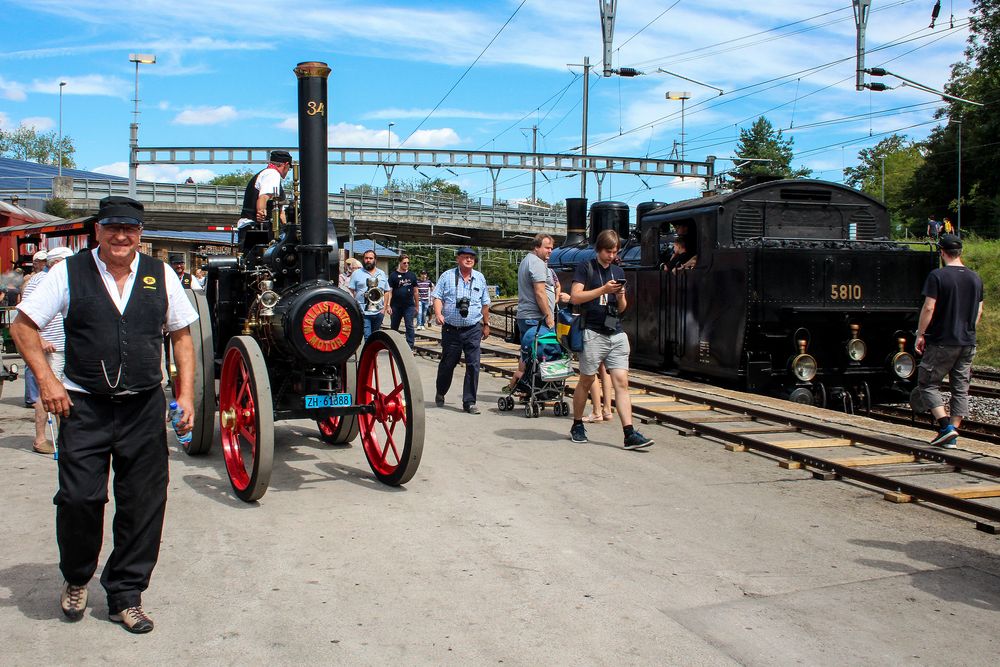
[[796, 290], [282, 337]]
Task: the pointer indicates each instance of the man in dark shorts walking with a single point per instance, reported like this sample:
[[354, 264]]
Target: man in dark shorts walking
[[946, 337]]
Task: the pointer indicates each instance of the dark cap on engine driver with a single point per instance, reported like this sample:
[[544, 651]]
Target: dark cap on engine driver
[[279, 157]]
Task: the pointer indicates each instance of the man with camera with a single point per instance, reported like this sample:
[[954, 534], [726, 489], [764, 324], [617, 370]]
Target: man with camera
[[461, 307], [600, 285]]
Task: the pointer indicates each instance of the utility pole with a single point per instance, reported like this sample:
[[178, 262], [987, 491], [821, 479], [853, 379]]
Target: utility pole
[[608, 8], [861, 10], [586, 104], [534, 160]]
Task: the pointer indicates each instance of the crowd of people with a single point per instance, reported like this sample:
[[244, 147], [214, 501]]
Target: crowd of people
[[90, 328]]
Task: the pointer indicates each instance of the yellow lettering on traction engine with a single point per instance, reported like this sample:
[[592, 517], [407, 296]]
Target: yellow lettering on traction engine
[[845, 292], [314, 108]]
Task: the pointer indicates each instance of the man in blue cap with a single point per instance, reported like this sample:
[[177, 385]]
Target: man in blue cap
[[116, 303], [462, 308]]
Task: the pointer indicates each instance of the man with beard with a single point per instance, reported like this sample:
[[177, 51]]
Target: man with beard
[[369, 285]]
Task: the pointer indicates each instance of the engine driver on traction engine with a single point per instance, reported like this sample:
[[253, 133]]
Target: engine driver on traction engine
[[262, 188]]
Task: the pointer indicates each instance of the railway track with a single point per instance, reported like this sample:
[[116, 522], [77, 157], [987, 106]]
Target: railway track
[[904, 469]]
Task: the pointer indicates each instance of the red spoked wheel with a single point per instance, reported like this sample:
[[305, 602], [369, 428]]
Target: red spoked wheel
[[393, 436], [344, 429], [246, 418]]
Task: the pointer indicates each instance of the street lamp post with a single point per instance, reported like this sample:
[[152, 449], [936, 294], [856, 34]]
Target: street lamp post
[[683, 96], [62, 84], [133, 166], [388, 136]]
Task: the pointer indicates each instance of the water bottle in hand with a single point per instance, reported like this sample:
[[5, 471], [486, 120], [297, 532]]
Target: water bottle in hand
[[176, 414]]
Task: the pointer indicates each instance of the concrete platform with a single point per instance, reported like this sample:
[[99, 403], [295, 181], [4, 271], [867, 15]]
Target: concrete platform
[[512, 545]]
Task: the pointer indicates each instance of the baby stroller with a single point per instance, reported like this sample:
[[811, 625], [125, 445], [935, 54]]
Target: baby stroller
[[547, 365]]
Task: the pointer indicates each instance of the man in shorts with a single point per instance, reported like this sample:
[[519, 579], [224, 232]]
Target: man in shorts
[[600, 284], [946, 337]]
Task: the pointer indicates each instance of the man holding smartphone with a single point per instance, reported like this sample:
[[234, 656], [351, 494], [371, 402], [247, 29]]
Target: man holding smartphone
[[600, 285]]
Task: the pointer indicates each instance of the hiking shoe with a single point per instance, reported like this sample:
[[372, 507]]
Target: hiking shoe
[[637, 441], [946, 437], [439, 400], [578, 433], [73, 601], [134, 619]]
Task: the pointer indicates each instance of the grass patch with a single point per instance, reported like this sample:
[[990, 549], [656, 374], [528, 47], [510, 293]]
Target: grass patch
[[983, 257]]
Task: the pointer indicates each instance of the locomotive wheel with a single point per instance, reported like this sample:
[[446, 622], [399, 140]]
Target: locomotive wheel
[[204, 377], [388, 380], [344, 429], [246, 418]]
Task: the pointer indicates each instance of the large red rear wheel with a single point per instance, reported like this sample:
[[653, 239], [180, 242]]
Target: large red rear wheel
[[246, 418], [393, 435]]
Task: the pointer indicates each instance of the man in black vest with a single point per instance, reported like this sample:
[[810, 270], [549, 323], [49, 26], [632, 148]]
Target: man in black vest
[[262, 188], [116, 303], [177, 264]]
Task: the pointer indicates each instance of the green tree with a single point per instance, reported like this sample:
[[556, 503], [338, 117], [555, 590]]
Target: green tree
[[25, 143], [901, 158], [977, 77], [58, 207], [237, 178], [763, 142]]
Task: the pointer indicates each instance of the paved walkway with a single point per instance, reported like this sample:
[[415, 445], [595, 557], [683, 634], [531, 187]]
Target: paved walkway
[[512, 545]]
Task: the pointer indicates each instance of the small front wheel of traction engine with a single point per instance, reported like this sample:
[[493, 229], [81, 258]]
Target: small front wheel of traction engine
[[342, 430]]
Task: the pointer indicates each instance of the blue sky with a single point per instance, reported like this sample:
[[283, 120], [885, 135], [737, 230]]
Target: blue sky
[[224, 77]]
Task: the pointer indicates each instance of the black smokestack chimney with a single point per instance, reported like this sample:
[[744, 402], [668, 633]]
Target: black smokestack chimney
[[314, 250], [576, 221]]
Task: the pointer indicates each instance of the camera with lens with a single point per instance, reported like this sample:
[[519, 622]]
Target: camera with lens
[[463, 306], [612, 318]]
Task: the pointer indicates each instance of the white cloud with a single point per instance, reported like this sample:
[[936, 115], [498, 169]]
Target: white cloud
[[206, 116], [89, 84], [290, 123], [11, 90], [38, 123], [440, 138], [349, 134], [5, 122], [159, 173]]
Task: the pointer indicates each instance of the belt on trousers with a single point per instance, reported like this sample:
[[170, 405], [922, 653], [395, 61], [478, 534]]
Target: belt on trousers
[[452, 326], [119, 397]]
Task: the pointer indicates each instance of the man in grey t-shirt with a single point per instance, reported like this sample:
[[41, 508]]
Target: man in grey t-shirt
[[536, 295], [536, 289]]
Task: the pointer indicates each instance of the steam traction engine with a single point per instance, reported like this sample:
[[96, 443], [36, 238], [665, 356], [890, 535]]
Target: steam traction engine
[[286, 337]]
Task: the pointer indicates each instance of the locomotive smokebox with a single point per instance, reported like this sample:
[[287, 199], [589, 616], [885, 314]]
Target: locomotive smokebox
[[576, 221], [608, 215], [313, 164]]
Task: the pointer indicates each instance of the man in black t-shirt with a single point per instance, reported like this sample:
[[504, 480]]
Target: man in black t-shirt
[[946, 337], [599, 284], [403, 299]]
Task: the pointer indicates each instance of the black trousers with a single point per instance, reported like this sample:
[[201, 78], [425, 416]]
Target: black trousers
[[455, 341], [128, 434]]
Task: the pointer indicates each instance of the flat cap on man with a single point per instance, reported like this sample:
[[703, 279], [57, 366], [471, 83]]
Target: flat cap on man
[[176, 258], [949, 242], [61, 252], [40, 256], [278, 157], [115, 210], [466, 250]]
